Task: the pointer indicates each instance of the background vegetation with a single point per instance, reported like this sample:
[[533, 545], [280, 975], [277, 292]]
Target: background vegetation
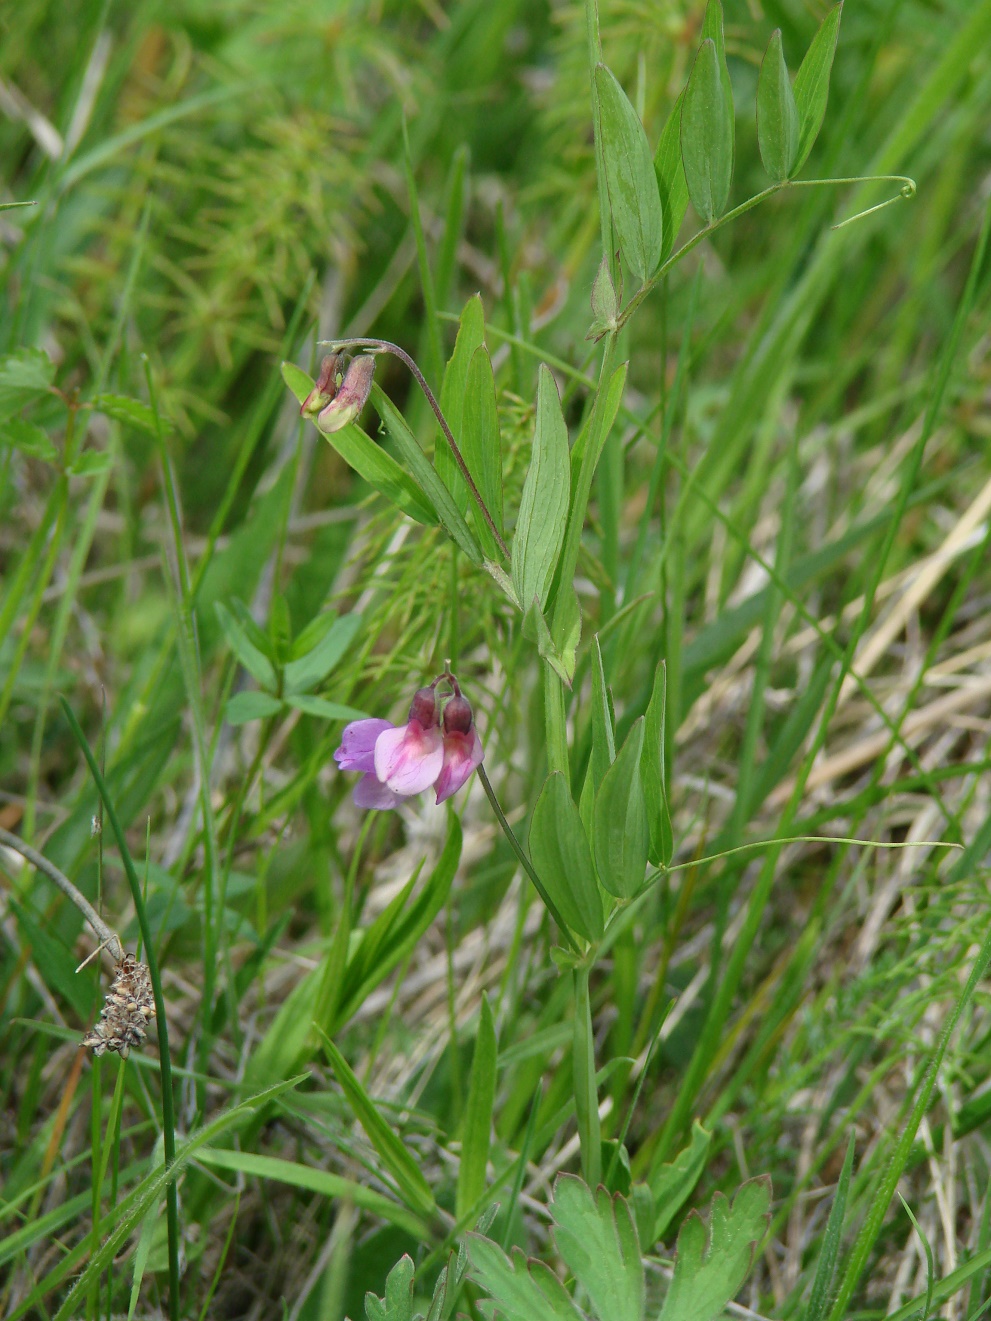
[[796, 492]]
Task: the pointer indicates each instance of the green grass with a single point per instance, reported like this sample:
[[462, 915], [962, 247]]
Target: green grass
[[799, 455]]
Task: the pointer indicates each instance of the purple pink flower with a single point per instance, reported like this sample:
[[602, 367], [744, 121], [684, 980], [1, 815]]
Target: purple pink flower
[[438, 746]]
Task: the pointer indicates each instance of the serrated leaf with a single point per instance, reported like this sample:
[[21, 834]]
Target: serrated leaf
[[297, 380], [652, 770], [318, 706], [672, 1184], [597, 1238], [305, 673], [510, 1284], [620, 834], [713, 1262], [27, 369], [544, 503], [243, 707], [132, 412], [29, 439], [90, 463], [671, 183], [470, 338], [707, 135], [777, 113], [632, 185], [481, 445], [478, 1114], [251, 656], [560, 852], [812, 84], [397, 1305]]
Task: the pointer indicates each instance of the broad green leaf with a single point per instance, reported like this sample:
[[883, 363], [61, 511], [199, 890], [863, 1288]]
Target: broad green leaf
[[812, 84], [707, 136], [478, 1115], [672, 1184], [671, 183], [305, 673], [713, 1262], [597, 1238], [397, 1305], [381, 471], [29, 439], [297, 380], [561, 854], [652, 770], [324, 710], [248, 652], [481, 445], [27, 369], [777, 113], [395, 1154], [453, 394], [132, 412], [512, 1285], [90, 463], [243, 707], [544, 504], [620, 834], [424, 473], [633, 196], [314, 1180]]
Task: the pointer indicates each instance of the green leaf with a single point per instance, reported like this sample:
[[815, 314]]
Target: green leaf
[[395, 1154], [397, 1305], [652, 770], [297, 380], [671, 182], [605, 300], [544, 504], [597, 1238], [633, 196], [29, 439], [620, 834], [381, 471], [707, 135], [478, 1115], [777, 113], [822, 1285], [27, 369], [672, 1184], [132, 412], [560, 852], [248, 652], [91, 463], [603, 738], [712, 1264], [243, 707], [305, 673], [513, 1285], [324, 710], [481, 445], [812, 84], [423, 471], [453, 394]]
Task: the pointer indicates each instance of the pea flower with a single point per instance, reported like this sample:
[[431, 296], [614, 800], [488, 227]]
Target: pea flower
[[438, 746], [350, 398]]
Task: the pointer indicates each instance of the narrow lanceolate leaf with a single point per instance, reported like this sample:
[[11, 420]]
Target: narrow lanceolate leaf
[[597, 1237], [633, 197], [670, 172], [603, 737], [707, 134], [481, 445], [620, 834], [478, 1115], [713, 1261], [812, 84], [652, 770], [305, 673], [829, 1251], [777, 113], [560, 852], [258, 665], [544, 504], [471, 336]]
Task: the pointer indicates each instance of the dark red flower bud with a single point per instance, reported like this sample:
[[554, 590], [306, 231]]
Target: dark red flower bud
[[352, 396], [423, 708], [326, 385], [457, 716]]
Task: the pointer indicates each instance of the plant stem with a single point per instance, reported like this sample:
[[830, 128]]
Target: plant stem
[[385, 346], [524, 861]]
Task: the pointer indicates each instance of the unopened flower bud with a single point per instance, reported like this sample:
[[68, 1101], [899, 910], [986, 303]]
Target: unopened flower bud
[[457, 716], [350, 399], [326, 385], [423, 708]]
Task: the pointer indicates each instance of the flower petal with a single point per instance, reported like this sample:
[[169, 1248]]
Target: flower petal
[[357, 750], [409, 759], [462, 754], [372, 793]]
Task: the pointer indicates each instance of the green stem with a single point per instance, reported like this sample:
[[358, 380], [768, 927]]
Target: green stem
[[555, 723], [525, 862], [165, 1059]]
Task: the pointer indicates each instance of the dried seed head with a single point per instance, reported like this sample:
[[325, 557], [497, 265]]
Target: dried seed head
[[129, 1007]]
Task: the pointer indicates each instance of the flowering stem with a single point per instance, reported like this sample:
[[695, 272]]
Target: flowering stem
[[385, 346], [525, 862]]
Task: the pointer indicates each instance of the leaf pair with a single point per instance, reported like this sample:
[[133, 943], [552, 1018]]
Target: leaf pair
[[788, 121]]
